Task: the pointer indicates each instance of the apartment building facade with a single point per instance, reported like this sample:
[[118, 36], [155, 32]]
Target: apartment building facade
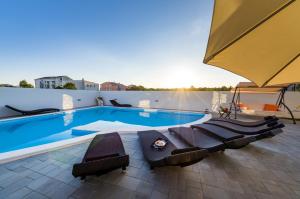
[[112, 86], [53, 82]]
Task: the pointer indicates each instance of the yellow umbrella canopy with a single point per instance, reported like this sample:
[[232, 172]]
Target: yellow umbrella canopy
[[257, 39]]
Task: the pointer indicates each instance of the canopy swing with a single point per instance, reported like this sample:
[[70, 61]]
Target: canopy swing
[[251, 87]]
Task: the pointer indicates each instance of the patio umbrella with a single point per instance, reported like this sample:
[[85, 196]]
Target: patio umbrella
[[257, 39]]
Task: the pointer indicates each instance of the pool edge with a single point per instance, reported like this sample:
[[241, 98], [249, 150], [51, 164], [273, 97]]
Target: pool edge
[[44, 148]]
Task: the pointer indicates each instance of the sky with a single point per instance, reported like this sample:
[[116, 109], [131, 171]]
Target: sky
[[154, 43]]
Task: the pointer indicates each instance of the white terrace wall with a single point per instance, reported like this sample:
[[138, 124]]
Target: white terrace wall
[[197, 101], [31, 98]]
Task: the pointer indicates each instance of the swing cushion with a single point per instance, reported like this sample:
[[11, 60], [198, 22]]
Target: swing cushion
[[243, 106], [271, 107]]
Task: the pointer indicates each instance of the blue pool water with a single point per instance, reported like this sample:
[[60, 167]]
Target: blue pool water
[[32, 131]]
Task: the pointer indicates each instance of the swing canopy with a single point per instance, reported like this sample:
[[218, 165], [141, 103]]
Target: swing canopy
[[250, 87]]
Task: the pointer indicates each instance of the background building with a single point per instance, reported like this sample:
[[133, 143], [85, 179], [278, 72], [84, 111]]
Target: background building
[[86, 85], [112, 86], [59, 81], [52, 81]]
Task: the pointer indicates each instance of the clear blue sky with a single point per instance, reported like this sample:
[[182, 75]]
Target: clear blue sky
[[156, 43]]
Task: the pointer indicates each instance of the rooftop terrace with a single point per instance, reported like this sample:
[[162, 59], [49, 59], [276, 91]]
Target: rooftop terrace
[[268, 168]]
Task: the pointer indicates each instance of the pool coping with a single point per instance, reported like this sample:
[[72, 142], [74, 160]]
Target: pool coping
[[35, 150]]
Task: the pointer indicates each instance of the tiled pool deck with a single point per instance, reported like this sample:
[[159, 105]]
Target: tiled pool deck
[[265, 169]]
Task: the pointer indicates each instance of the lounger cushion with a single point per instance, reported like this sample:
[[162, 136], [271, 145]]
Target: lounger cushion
[[238, 141], [105, 153], [244, 130], [220, 133], [33, 112], [171, 154], [198, 138], [151, 154], [115, 103], [270, 121], [104, 146]]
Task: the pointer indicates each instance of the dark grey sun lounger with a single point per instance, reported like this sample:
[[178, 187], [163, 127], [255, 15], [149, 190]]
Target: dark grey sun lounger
[[204, 138], [270, 120], [200, 140], [33, 112], [105, 153], [226, 134], [245, 130], [171, 155], [115, 103]]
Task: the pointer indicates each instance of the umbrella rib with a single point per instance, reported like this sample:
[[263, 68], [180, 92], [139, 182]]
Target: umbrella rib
[[281, 69], [248, 31]]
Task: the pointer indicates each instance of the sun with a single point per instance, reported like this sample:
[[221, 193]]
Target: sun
[[180, 78]]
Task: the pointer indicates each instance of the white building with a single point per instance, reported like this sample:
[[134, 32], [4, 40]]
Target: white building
[[59, 81], [52, 81]]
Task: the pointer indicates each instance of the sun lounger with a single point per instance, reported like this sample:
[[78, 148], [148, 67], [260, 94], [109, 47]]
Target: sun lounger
[[227, 135], [272, 120], [200, 140], [115, 103], [203, 138], [171, 155], [245, 130], [105, 153], [33, 112]]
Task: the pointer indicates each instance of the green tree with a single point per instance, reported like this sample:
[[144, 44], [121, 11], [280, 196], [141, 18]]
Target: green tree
[[25, 84], [70, 86], [136, 88]]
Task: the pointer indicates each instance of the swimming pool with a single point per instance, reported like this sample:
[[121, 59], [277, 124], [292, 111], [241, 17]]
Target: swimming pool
[[32, 131]]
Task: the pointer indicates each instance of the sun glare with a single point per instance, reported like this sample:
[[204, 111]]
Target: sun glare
[[180, 78]]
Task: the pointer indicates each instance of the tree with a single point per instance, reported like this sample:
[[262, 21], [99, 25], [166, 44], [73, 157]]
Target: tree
[[136, 88], [69, 85], [25, 84]]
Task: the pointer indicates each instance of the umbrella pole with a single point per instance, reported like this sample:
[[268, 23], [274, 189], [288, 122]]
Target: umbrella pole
[[280, 102]]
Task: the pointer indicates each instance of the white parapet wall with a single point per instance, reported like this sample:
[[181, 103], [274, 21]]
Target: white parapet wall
[[194, 101], [32, 98], [202, 100], [29, 99]]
